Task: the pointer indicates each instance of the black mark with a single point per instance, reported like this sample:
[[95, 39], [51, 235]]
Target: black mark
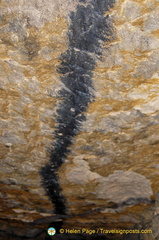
[[88, 30]]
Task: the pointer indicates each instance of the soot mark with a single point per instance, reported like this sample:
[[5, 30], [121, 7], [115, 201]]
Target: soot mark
[[89, 28]]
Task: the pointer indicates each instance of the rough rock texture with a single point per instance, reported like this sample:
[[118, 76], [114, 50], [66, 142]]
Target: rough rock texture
[[110, 175]]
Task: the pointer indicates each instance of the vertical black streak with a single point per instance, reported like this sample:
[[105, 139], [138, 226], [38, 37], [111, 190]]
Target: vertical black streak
[[89, 28]]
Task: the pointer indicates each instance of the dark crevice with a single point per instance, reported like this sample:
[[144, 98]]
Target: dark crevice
[[88, 29]]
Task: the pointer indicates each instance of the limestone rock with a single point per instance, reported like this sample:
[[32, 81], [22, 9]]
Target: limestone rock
[[94, 63]]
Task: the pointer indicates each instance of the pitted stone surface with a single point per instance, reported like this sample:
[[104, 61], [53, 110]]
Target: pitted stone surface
[[111, 173]]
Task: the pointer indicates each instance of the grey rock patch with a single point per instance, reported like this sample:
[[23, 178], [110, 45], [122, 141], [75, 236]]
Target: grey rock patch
[[127, 10], [155, 166], [155, 224], [147, 68], [45, 52], [113, 122], [81, 173], [121, 186], [38, 12], [152, 21], [139, 40], [104, 161], [126, 219], [157, 204], [149, 107]]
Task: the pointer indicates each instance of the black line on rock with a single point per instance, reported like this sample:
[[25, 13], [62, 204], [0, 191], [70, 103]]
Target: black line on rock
[[89, 28]]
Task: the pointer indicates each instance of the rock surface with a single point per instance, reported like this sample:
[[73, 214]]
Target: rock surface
[[110, 176]]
